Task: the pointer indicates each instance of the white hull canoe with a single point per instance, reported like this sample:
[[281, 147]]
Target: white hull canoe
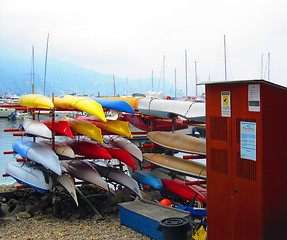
[[125, 144], [178, 141], [36, 128], [63, 150], [29, 174], [67, 181], [84, 171], [117, 176], [38, 153], [162, 108]]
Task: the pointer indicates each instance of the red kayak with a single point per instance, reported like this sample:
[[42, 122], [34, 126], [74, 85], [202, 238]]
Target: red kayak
[[158, 124], [60, 127], [182, 190], [89, 149], [120, 154]]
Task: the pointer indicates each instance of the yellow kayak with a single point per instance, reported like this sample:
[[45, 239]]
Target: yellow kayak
[[114, 126], [36, 101], [85, 128], [60, 102], [130, 100], [87, 105]]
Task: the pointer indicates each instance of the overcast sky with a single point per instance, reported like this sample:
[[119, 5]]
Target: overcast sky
[[129, 38]]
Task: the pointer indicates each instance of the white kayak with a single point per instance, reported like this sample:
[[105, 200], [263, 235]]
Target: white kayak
[[63, 150], [162, 108], [117, 176], [84, 171], [125, 144], [30, 174], [67, 181], [36, 128]]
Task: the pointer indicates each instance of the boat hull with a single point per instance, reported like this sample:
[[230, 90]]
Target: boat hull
[[30, 175], [162, 108], [147, 177], [36, 101], [177, 164], [182, 190], [178, 141], [38, 153]]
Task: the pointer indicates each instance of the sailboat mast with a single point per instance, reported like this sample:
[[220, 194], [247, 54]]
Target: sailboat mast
[[225, 71], [114, 85], [262, 66], [195, 79], [163, 75], [174, 83], [268, 66], [152, 80], [185, 73], [46, 64], [32, 72]]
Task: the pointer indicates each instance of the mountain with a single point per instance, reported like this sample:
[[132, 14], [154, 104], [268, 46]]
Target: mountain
[[63, 78]]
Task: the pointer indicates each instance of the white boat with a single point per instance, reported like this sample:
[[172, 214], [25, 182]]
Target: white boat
[[67, 181], [63, 150], [30, 174], [162, 108], [84, 171], [125, 144], [6, 112], [117, 176], [36, 128]]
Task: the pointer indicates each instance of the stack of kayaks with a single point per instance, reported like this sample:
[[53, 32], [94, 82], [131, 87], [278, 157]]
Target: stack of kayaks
[[99, 139], [66, 159]]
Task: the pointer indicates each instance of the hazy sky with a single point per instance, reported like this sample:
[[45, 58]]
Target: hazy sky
[[129, 38]]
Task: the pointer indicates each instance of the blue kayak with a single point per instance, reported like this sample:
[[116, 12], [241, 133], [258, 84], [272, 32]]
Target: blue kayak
[[147, 177], [38, 153], [118, 105]]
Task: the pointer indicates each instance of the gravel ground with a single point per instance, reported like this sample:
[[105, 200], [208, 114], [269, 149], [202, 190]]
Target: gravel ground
[[52, 228]]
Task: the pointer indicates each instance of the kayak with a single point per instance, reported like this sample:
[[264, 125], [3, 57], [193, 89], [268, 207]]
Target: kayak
[[84, 171], [178, 141], [60, 102], [67, 181], [124, 144], [182, 190], [132, 101], [89, 149], [36, 101], [177, 164], [38, 153], [87, 105], [85, 128], [36, 128], [63, 150], [111, 126], [117, 176], [153, 123], [162, 108], [146, 177], [114, 104], [120, 154], [60, 127], [30, 174]]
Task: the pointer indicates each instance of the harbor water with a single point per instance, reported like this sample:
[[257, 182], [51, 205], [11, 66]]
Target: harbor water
[[6, 141]]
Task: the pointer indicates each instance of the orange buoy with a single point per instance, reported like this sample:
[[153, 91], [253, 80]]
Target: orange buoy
[[165, 202]]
